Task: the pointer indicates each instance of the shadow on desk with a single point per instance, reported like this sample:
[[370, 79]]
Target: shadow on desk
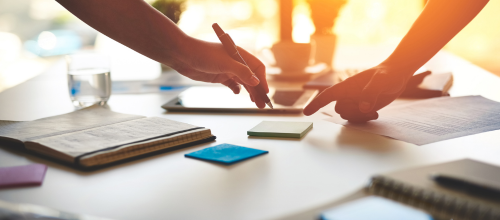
[[349, 137]]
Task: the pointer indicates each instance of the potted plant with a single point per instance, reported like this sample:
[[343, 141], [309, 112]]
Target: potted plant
[[170, 8], [324, 14]]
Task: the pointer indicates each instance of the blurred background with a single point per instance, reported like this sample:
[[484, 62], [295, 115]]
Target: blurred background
[[36, 33]]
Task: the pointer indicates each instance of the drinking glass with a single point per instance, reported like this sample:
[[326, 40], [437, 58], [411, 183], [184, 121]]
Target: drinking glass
[[89, 79]]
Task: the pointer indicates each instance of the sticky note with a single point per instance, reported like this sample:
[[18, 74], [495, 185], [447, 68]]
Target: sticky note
[[374, 208], [29, 175], [226, 153], [281, 129]]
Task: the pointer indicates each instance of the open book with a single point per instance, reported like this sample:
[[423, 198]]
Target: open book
[[95, 136]]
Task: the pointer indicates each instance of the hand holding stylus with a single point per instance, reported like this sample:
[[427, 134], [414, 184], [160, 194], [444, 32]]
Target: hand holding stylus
[[258, 91], [144, 29]]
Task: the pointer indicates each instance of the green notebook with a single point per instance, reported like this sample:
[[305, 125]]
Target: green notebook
[[281, 129]]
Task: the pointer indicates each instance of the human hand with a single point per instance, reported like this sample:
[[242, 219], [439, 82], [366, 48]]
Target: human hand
[[362, 95], [209, 62]]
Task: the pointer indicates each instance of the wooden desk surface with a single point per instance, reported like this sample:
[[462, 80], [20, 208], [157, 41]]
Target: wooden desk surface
[[297, 175]]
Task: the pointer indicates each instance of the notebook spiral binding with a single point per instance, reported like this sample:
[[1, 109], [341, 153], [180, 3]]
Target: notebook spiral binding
[[439, 205]]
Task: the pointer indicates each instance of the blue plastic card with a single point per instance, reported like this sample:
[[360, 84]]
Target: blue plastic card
[[374, 208], [226, 153]]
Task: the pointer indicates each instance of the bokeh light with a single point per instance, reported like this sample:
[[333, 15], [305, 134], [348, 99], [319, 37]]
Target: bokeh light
[[479, 41], [45, 9], [192, 18], [47, 40], [303, 26], [10, 47], [241, 10], [44, 29], [266, 8], [375, 22], [375, 10]]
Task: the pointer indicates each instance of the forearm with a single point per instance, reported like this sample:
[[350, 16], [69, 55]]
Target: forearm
[[133, 23], [438, 23]]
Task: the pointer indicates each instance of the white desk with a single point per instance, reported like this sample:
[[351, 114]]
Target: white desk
[[296, 176]]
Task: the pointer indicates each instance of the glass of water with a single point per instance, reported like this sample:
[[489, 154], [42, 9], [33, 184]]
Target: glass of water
[[89, 79]]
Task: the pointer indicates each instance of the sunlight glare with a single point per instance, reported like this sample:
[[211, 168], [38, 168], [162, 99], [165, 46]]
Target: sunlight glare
[[479, 44], [303, 26], [45, 9], [266, 8], [10, 47], [375, 10], [242, 10], [192, 18], [263, 40]]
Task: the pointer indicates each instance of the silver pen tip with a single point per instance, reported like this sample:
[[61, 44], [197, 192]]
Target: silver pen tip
[[270, 105]]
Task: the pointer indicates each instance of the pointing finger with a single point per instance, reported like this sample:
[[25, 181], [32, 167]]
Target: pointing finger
[[329, 95]]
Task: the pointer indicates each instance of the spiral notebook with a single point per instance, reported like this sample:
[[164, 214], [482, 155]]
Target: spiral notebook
[[95, 136], [414, 187]]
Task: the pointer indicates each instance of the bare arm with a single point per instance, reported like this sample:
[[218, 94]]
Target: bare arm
[[438, 23], [137, 25], [133, 23], [359, 97]]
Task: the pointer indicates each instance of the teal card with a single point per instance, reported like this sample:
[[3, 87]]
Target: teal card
[[226, 153], [288, 129]]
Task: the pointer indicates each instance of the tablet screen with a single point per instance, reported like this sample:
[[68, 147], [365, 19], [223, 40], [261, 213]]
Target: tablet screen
[[222, 97]]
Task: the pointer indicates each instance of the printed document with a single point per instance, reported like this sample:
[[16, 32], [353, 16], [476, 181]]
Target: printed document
[[432, 120]]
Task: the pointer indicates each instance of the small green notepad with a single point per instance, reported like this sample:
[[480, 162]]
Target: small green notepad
[[281, 129]]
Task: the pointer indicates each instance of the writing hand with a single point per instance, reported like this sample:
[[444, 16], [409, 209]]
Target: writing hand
[[209, 62], [362, 95]]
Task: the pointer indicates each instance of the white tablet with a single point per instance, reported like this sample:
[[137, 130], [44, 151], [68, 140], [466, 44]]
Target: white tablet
[[222, 99]]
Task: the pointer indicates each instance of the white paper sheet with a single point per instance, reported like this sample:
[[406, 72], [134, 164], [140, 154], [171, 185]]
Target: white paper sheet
[[432, 120]]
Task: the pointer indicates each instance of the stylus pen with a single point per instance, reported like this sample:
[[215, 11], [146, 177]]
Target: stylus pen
[[466, 185], [232, 50]]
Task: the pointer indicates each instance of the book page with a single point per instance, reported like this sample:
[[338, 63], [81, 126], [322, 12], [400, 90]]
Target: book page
[[93, 116], [432, 120], [93, 139], [145, 147]]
